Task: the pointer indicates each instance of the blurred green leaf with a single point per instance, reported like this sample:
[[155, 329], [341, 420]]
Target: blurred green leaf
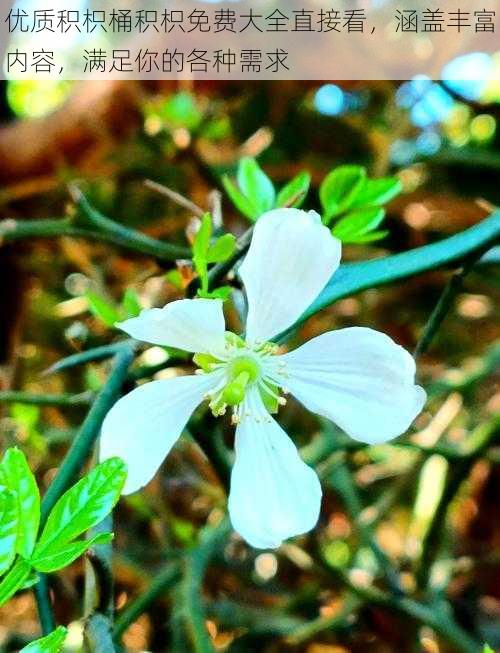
[[84, 505], [130, 304], [371, 237], [51, 643], [102, 309], [181, 110], [487, 649], [242, 203], [14, 580], [222, 249], [18, 477], [255, 185], [175, 278], [8, 528], [339, 189], [358, 223], [377, 192], [61, 555], [294, 193]]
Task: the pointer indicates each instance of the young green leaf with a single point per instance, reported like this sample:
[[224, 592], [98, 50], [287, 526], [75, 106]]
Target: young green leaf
[[130, 305], [102, 309], [294, 193], [175, 278], [14, 580], [377, 192], [358, 223], [200, 248], [222, 249], [242, 203], [487, 649], [51, 643], [370, 237], [255, 185], [59, 556], [340, 188], [82, 506], [9, 520], [18, 477]]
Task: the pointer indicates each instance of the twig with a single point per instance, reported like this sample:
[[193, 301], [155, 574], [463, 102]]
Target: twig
[[44, 606], [175, 197], [65, 399], [88, 356], [457, 473], [445, 302], [161, 583]]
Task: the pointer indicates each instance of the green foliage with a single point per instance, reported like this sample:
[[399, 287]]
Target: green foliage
[[206, 252], [83, 506], [16, 475], [109, 313], [294, 193], [255, 185], [51, 643], [255, 193], [9, 518], [58, 555], [355, 201], [487, 649], [181, 110]]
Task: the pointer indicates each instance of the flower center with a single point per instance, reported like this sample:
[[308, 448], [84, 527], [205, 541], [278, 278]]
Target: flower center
[[243, 368]]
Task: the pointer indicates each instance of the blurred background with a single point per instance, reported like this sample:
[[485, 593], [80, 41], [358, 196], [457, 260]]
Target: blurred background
[[435, 517]]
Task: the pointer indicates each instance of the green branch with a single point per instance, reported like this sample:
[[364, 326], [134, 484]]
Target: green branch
[[64, 399], [352, 278]]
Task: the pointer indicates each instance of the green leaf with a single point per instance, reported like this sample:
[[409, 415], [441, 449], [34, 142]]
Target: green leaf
[[371, 237], [175, 278], [14, 580], [358, 223], [222, 249], [8, 528], [487, 649], [130, 305], [377, 191], [181, 110], [340, 188], [102, 309], [200, 248], [82, 506], [18, 477], [351, 278], [294, 193], [51, 643], [242, 203], [255, 185], [59, 556]]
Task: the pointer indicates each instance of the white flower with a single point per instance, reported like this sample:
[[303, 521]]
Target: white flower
[[357, 377]]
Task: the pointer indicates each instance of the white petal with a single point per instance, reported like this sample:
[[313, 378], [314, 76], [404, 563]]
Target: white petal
[[360, 379], [143, 426], [291, 258], [195, 325], [274, 494]]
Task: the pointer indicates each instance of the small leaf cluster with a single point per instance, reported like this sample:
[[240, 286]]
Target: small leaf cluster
[[51, 643], [110, 313], [207, 251], [25, 549], [348, 197], [355, 203], [254, 193]]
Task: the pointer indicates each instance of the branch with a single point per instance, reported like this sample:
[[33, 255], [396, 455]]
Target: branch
[[64, 399]]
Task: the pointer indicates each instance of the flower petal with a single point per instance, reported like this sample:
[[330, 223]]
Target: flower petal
[[195, 325], [291, 258], [274, 494], [143, 426], [360, 379]]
